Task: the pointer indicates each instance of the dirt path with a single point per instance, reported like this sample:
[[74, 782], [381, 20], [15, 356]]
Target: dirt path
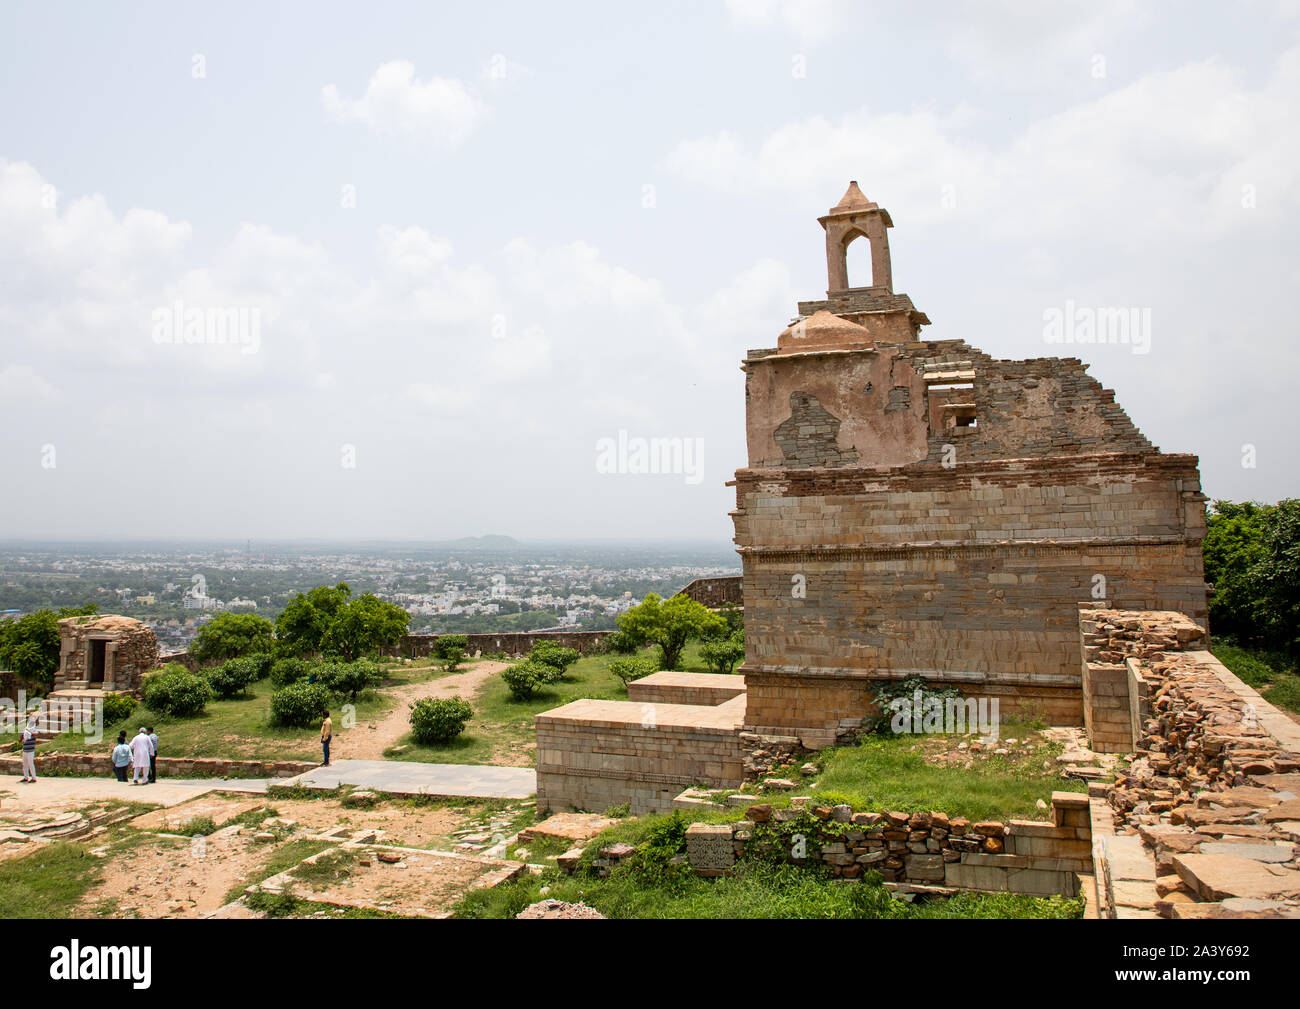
[[368, 740]]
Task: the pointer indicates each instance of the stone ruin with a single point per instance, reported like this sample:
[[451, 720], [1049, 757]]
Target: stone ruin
[[105, 653], [910, 507]]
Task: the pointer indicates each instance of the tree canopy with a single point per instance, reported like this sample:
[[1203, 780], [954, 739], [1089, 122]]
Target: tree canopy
[[1252, 557], [231, 635], [669, 624]]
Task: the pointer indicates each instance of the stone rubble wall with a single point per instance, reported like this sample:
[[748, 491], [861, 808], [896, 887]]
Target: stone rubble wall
[[914, 849], [1213, 788]]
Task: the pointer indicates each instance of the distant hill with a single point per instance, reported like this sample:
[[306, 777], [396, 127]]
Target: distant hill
[[492, 542]]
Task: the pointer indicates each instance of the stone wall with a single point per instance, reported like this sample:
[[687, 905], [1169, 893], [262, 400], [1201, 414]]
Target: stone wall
[[101, 765], [715, 592], [130, 649], [414, 646], [970, 575], [595, 754], [916, 849]]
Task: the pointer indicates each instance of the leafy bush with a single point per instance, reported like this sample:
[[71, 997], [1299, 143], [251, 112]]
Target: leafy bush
[[347, 679], [551, 654], [117, 707], [722, 656], [906, 689], [525, 679], [628, 670], [448, 642], [233, 677], [621, 642], [290, 670], [439, 719], [451, 658], [300, 705], [670, 623], [262, 662], [176, 691]]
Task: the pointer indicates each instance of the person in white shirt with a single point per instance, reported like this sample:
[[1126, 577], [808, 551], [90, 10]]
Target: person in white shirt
[[140, 748]]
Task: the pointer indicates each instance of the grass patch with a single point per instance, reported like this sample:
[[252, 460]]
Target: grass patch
[[281, 860], [1271, 673], [49, 882], [901, 773]]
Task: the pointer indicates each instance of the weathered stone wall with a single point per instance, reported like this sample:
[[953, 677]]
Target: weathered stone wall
[[595, 754], [101, 765], [971, 575], [919, 849], [685, 688], [130, 647], [727, 590], [513, 643]]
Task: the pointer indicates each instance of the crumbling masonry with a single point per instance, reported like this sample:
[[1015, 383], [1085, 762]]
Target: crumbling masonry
[[910, 507]]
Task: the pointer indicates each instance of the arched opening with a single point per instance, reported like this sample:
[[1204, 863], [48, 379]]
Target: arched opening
[[857, 260]]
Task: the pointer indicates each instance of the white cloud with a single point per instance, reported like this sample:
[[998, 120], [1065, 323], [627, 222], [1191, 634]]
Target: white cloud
[[810, 21], [396, 101], [22, 387]]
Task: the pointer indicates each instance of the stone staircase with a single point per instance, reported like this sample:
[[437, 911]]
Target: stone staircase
[[62, 710]]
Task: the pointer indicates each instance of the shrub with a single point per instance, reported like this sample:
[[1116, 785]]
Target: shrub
[[553, 655], [300, 705], [439, 719], [176, 691], [906, 690], [722, 656], [350, 678], [290, 670], [452, 658], [117, 707], [231, 635], [447, 642], [628, 670], [525, 679], [233, 677], [621, 642], [262, 662]]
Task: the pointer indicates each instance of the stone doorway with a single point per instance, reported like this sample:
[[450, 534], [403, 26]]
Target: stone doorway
[[98, 660]]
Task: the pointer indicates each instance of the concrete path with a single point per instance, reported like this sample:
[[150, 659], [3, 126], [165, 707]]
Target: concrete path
[[164, 792], [399, 777]]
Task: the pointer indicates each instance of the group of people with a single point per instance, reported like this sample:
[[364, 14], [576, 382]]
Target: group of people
[[140, 754]]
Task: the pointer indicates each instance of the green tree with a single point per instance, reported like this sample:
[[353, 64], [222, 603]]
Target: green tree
[[1233, 547], [669, 624], [364, 626], [29, 646], [722, 656], [1277, 573], [302, 625], [231, 635]]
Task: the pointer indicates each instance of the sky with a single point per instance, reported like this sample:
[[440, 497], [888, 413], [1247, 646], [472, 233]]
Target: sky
[[417, 271]]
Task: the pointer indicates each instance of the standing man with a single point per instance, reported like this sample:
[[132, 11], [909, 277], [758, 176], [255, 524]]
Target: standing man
[[153, 755], [326, 734], [140, 757], [29, 750], [121, 756]]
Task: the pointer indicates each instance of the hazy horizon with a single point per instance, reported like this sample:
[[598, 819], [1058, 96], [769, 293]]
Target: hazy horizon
[[450, 253]]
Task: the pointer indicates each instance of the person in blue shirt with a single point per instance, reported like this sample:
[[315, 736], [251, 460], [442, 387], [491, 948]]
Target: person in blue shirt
[[121, 756]]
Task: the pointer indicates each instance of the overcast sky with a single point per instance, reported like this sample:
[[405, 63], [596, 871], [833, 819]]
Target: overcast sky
[[470, 245]]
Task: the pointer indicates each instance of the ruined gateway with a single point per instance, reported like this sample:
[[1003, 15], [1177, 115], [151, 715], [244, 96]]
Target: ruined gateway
[[910, 507]]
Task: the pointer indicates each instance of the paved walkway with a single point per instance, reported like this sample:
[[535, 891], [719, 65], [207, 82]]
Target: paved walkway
[[400, 777], [393, 776]]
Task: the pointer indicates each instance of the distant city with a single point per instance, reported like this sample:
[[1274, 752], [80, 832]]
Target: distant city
[[491, 583]]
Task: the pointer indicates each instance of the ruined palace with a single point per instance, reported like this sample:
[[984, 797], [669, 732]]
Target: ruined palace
[[909, 507]]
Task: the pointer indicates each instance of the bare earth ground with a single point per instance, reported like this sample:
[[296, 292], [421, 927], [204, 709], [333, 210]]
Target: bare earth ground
[[369, 740], [150, 875]]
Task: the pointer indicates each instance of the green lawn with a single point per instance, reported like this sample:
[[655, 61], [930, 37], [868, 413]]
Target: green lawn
[[239, 729], [1272, 674], [47, 883], [901, 773], [502, 728]]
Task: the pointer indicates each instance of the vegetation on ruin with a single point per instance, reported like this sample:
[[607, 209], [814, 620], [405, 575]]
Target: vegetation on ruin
[[914, 773], [654, 883]]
